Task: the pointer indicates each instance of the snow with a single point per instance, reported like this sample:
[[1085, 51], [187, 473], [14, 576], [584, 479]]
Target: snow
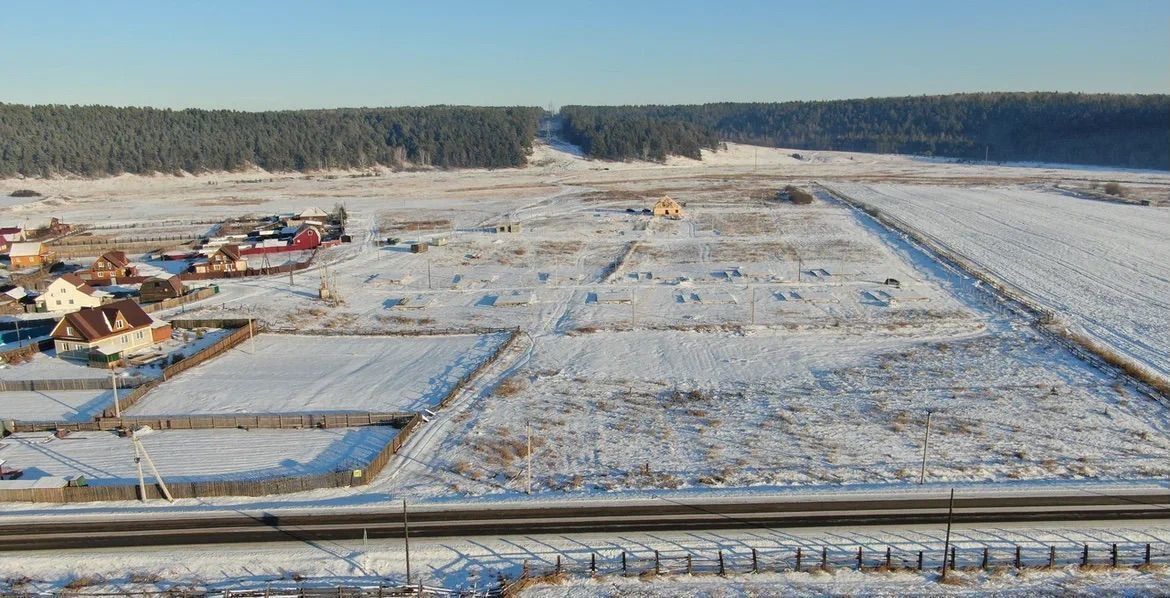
[[476, 562], [105, 459], [55, 405], [1102, 267], [322, 374]]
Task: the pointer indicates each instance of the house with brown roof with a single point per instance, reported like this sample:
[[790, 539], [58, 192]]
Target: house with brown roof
[[31, 254], [8, 236], [107, 333], [225, 259], [158, 288], [69, 293], [112, 265]]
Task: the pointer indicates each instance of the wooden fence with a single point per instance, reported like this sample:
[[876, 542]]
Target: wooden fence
[[28, 350], [358, 476], [259, 421], [268, 271], [248, 329], [483, 365], [69, 384], [197, 295]]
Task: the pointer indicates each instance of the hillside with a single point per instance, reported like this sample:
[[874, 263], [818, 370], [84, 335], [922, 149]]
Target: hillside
[[96, 141], [1101, 129]]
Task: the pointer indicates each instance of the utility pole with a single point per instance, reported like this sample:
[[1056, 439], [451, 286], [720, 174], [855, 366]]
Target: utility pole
[[947, 541], [252, 334], [753, 300], [428, 270], [799, 267], [633, 309], [19, 341], [139, 453], [529, 475], [925, 446], [406, 536], [114, 385]]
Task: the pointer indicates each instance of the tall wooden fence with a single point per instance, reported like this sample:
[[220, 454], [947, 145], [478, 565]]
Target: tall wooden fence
[[68, 384], [196, 295], [259, 421], [362, 474], [483, 365]]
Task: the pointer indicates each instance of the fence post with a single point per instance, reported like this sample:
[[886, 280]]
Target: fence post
[[1113, 554], [558, 570], [860, 564], [688, 564], [657, 564], [920, 560], [624, 570], [986, 558], [1019, 561], [721, 569], [592, 563], [1085, 556], [1051, 557], [889, 560], [824, 558], [1147, 554], [953, 551], [798, 555], [755, 562]]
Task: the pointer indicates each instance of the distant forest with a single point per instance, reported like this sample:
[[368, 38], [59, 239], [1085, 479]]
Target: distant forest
[[1105, 129], [100, 140]]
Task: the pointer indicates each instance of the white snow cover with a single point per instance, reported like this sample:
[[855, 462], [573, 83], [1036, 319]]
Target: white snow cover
[[321, 374], [55, 405], [191, 455], [1103, 267]]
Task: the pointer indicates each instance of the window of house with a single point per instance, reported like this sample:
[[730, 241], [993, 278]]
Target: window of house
[[139, 335], [70, 302], [118, 325], [69, 330], [58, 302], [125, 338]]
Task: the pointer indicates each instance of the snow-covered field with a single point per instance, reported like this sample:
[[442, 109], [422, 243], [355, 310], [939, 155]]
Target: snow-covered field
[[104, 458], [55, 405], [751, 344], [280, 373], [1102, 267]]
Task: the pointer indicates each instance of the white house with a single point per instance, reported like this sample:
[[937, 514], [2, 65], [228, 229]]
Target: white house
[[68, 294]]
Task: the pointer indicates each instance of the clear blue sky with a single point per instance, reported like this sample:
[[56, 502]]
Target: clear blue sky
[[297, 54]]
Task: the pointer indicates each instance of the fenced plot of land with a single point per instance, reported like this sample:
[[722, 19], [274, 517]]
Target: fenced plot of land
[[1104, 267], [55, 405], [323, 374], [106, 459]]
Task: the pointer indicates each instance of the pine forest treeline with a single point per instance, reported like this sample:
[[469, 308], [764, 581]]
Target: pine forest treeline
[[1103, 129], [102, 140]]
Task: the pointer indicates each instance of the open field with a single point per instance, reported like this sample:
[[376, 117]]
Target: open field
[[104, 458], [753, 344], [1099, 266], [314, 374], [55, 405]]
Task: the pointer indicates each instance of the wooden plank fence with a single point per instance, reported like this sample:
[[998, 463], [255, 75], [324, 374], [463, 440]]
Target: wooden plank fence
[[68, 384], [483, 365], [258, 421], [358, 476], [196, 295], [268, 271]]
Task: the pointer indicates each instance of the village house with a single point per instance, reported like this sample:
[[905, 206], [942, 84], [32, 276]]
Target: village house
[[69, 293], [668, 207], [111, 266], [12, 299], [291, 238], [225, 259], [104, 335], [160, 288], [29, 255], [8, 236]]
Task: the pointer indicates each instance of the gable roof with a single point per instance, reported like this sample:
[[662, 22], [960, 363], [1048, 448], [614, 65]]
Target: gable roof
[[313, 212], [171, 282], [78, 283], [230, 251], [116, 259], [25, 249], [9, 230], [667, 202], [97, 323]]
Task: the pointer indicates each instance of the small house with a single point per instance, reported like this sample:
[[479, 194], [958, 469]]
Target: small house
[[668, 207], [313, 213], [69, 293], [111, 266], [225, 259], [30, 255], [509, 227], [158, 288], [8, 236], [105, 334], [12, 299]]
